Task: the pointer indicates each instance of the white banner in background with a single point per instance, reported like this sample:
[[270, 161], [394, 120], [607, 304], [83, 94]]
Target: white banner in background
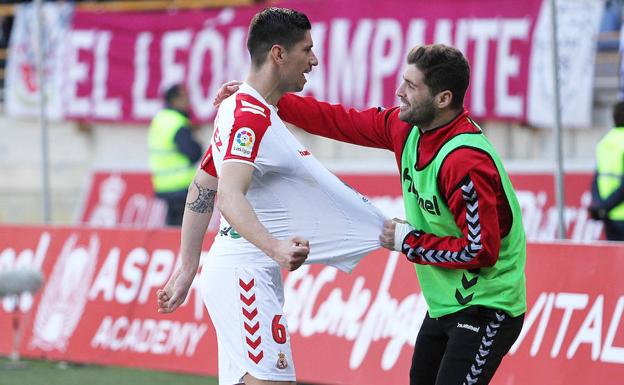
[[577, 28], [22, 83]]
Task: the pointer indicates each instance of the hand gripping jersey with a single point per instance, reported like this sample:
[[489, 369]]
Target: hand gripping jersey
[[290, 192]]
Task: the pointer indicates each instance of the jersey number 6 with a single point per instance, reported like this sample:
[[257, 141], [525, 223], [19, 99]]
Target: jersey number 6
[[279, 330]]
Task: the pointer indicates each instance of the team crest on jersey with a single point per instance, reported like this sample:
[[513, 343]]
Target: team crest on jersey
[[243, 142], [282, 363]]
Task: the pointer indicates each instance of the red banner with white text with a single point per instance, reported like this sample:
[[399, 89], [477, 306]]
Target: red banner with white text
[[361, 52], [127, 199], [117, 64], [98, 306]]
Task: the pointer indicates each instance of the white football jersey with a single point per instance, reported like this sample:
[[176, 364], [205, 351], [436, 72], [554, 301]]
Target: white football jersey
[[291, 193]]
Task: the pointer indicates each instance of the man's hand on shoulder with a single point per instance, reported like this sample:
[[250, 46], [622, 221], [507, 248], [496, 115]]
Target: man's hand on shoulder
[[225, 91], [291, 253]]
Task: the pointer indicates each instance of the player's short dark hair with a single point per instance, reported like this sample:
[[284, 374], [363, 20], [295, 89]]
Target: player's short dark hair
[[172, 93], [618, 114], [444, 68], [282, 26]]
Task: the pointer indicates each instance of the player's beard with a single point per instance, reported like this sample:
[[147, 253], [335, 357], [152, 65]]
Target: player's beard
[[421, 114]]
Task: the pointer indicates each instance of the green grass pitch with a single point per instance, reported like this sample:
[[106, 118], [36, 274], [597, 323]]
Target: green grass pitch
[[53, 373]]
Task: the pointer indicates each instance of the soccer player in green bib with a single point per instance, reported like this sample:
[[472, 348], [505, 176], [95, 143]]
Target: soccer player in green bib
[[464, 228]]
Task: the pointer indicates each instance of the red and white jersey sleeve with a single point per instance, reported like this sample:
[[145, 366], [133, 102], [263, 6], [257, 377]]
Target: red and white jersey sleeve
[[207, 163], [240, 127]]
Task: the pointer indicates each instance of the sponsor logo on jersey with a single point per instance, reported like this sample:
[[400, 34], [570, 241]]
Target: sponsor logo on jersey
[[243, 143], [304, 152], [216, 138], [429, 205], [282, 363]]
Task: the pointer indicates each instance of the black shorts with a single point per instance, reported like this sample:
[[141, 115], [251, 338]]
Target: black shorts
[[463, 348]]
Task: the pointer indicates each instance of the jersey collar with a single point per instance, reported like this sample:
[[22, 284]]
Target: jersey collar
[[247, 89]]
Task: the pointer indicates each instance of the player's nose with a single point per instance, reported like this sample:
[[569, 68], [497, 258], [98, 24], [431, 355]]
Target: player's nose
[[400, 92], [313, 60]]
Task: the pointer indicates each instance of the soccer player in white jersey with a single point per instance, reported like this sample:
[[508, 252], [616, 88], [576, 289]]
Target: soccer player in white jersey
[[280, 208]]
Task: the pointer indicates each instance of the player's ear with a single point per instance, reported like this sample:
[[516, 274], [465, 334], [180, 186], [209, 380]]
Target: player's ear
[[443, 99], [278, 54]]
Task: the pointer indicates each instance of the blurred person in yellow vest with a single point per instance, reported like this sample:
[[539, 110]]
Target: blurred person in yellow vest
[[173, 153], [608, 186]]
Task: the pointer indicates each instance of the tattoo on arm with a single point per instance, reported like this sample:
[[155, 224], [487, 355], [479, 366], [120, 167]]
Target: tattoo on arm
[[205, 200]]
